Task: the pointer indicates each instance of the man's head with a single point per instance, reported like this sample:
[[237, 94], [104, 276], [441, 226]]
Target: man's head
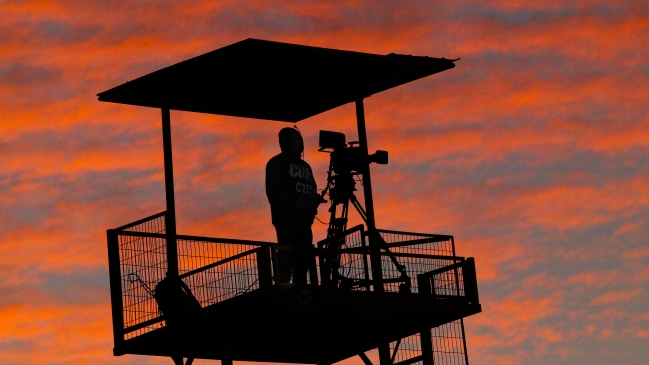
[[290, 141]]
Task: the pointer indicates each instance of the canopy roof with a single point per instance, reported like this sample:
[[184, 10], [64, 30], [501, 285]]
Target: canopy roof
[[272, 80]]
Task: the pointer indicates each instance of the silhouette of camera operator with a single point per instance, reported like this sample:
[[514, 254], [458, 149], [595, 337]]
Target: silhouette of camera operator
[[291, 191]]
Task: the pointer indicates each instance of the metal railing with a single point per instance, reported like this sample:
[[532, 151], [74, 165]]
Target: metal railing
[[215, 269], [218, 269]]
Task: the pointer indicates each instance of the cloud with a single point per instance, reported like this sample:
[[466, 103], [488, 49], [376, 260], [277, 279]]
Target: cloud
[[532, 152]]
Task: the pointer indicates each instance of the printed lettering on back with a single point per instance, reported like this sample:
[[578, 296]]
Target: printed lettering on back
[[301, 172]]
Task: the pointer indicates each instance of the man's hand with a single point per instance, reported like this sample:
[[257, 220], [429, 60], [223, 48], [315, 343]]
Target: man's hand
[[308, 202]]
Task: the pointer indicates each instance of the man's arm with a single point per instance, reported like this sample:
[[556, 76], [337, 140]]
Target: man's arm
[[274, 186]]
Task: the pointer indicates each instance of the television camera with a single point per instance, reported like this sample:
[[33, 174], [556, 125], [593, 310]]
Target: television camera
[[347, 160]]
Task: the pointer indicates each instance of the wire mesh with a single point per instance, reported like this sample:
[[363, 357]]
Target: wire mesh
[[355, 265], [349, 265], [448, 344], [449, 283], [223, 281], [143, 263], [153, 224], [405, 349], [414, 243], [419, 243], [418, 253], [413, 267], [214, 271]]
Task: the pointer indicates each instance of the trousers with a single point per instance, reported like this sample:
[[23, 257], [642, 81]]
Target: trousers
[[294, 264]]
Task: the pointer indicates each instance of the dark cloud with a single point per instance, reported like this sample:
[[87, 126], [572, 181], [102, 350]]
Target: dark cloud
[[20, 75], [61, 33], [512, 17]]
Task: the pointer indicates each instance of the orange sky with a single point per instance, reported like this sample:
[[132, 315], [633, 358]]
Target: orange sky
[[533, 152]]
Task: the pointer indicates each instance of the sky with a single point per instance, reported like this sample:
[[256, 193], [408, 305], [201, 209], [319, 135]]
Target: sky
[[533, 152]]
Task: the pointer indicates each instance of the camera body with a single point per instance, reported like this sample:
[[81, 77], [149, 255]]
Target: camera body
[[348, 159]]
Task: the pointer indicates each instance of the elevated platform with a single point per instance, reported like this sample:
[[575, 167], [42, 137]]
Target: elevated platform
[[274, 326], [248, 316]]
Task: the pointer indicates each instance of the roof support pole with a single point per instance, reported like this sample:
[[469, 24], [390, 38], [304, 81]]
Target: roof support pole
[[375, 249], [170, 219]]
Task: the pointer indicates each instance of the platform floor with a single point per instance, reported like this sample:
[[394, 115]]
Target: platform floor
[[274, 326]]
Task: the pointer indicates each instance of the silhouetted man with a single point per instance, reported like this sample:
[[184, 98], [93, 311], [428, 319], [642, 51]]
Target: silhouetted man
[[291, 191]]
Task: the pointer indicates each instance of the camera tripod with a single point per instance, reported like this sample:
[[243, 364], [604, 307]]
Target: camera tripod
[[341, 189]]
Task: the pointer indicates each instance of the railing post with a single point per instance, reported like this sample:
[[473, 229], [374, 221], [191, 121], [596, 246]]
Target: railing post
[[365, 263], [263, 268], [170, 219], [470, 281], [115, 278], [313, 268], [424, 284], [276, 270]]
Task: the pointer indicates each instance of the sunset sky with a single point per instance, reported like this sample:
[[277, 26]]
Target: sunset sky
[[533, 152]]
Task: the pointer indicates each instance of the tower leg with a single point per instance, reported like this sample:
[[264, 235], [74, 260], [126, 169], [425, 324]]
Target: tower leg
[[384, 355], [426, 347]]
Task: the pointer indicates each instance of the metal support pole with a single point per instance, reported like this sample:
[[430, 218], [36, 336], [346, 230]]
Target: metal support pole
[[170, 219], [375, 249], [466, 354], [115, 276], [426, 347]]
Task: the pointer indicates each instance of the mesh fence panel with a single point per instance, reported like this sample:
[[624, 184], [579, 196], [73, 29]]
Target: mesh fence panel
[[228, 270], [414, 243], [406, 348], [420, 243], [153, 224], [449, 283], [143, 263], [448, 344], [221, 282]]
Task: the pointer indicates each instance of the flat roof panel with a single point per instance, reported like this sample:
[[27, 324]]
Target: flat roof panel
[[272, 80]]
